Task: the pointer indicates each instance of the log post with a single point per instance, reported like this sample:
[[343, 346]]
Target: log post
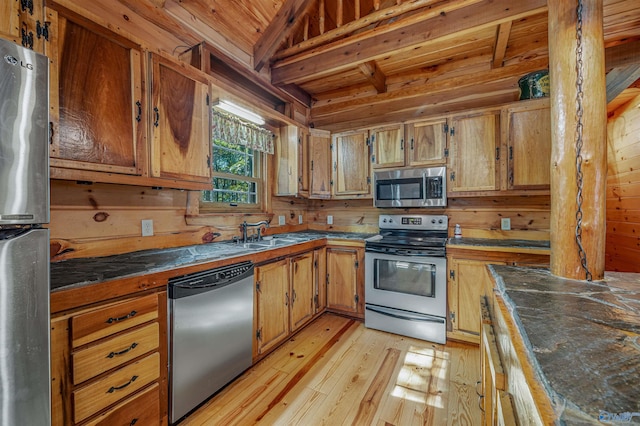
[[565, 258]]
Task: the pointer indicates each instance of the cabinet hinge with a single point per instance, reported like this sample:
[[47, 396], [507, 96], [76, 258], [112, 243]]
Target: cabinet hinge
[[497, 153], [42, 30], [452, 316], [373, 158], [27, 37], [452, 274], [452, 131], [27, 5], [331, 146], [446, 152], [311, 165], [357, 298], [331, 182], [445, 127], [368, 180], [259, 334], [208, 161], [207, 99], [327, 278], [510, 153], [315, 263], [258, 286], [452, 176], [300, 179], [357, 264]]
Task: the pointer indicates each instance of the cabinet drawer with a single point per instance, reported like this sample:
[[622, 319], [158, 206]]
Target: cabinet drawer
[[92, 361], [86, 328], [112, 388], [142, 409]]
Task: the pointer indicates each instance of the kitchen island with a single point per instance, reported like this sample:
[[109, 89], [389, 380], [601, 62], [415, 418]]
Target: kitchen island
[[579, 340]]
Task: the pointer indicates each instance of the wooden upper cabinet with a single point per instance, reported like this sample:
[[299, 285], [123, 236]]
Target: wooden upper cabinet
[[475, 152], [286, 161], [351, 169], [180, 117], [427, 142], [320, 164], [529, 144], [96, 98], [387, 146], [23, 23]]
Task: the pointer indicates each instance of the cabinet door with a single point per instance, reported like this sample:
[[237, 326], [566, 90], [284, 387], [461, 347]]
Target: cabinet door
[[272, 299], [302, 290], [23, 23], [350, 163], [475, 153], [468, 280], [388, 146], [96, 99], [427, 142], [180, 123], [342, 288], [320, 164], [286, 158], [303, 162], [529, 145]]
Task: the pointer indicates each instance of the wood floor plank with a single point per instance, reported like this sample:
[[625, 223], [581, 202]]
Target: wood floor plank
[[336, 371]]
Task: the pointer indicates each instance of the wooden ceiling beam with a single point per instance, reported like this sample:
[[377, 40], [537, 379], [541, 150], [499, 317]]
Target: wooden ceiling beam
[[432, 8], [416, 94], [622, 54], [374, 75], [369, 45], [278, 30], [619, 79], [502, 38]]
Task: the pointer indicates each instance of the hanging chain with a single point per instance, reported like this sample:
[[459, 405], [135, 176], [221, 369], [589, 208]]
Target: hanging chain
[[579, 112]]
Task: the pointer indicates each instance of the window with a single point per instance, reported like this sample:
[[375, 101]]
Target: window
[[236, 168]]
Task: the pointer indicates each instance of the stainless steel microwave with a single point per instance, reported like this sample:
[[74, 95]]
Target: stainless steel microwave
[[425, 187]]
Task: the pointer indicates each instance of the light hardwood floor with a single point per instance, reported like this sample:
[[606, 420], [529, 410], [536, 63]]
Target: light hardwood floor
[[336, 371]]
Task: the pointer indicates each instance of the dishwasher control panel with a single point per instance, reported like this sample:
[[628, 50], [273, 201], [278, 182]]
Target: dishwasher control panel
[[217, 277]]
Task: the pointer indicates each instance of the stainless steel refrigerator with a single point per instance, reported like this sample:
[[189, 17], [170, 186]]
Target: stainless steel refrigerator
[[25, 395]]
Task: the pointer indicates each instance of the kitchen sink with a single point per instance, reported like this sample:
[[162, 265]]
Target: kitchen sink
[[264, 244]]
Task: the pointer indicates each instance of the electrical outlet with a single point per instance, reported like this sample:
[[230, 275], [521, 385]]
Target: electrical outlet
[[300, 220], [281, 220], [505, 224], [329, 220], [147, 227]]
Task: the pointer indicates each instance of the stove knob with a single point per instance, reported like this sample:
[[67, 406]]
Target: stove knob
[[433, 221], [440, 221], [221, 275], [384, 220]]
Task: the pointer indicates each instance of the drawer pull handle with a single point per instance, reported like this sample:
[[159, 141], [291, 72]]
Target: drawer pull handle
[[129, 315], [122, 352], [133, 422], [112, 389]]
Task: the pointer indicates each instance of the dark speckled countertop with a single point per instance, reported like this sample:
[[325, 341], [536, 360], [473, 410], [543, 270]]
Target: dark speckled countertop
[[583, 339], [79, 272]]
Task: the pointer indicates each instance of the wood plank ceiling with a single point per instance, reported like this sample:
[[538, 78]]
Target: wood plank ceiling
[[368, 62]]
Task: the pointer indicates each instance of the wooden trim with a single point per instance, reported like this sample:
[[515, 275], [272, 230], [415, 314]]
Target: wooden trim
[[500, 48], [374, 75], [622, 54]]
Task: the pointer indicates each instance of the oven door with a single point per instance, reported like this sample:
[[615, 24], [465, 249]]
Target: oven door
[[411, 283]]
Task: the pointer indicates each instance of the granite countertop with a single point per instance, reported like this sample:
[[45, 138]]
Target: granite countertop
[[583, 339], [490, 242], [79, 272]]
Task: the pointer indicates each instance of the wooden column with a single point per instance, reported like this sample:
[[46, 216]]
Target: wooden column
[[565, 259]]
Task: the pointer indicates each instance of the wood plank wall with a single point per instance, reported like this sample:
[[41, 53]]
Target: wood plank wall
[[623, 189]]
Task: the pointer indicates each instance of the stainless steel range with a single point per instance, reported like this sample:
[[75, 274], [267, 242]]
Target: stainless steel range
[[405, 277]]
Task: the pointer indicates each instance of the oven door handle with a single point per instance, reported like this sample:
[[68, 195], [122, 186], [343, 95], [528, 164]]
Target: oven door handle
[[420, 318]]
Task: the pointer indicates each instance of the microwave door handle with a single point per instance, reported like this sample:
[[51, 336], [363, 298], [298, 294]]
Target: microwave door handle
[[425, 192]]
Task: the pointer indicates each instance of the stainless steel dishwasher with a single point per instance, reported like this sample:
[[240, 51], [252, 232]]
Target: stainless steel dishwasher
[[211, 329]]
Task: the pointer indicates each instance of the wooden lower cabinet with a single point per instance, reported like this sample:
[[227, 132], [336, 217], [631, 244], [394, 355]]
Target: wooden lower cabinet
[[272, 305], [345, 280], [286, 294], [106, 363], [469, 279]]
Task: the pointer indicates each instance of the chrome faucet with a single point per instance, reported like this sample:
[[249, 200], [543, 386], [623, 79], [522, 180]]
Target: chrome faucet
[[245, 225]]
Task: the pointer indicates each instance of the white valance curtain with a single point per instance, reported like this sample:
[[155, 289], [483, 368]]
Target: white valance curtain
[[229, 128]]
